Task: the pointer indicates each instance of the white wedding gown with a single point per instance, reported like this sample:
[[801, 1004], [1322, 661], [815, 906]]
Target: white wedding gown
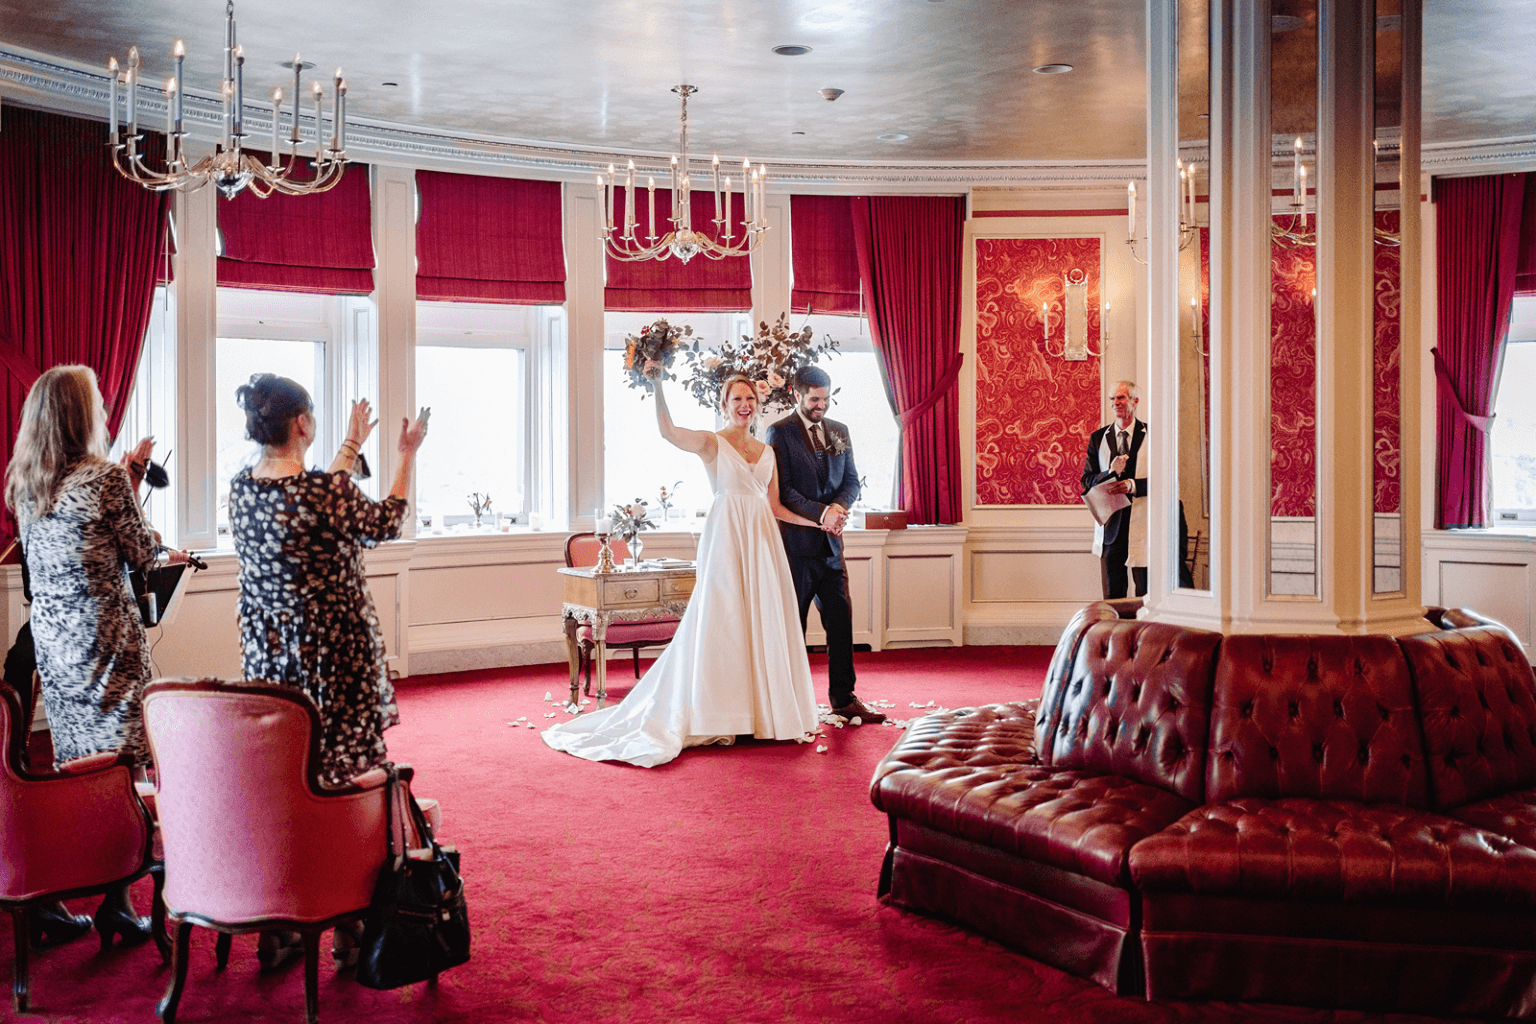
[[737, 664]]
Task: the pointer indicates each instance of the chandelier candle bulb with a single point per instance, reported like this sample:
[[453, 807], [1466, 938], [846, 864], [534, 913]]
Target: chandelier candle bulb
[[112, 99], [133, 92], [1298, 178], [179, 51], [762, 196], [341, 117], [717, 188], [1130, 195], [727, 234], [1104, 329], [611, 190], [1194, 317], [1301, 197], [629, 202], [317, 95], [651, 202], [170, 109], [675, 184], [1045, 320], [298, 96], [277, 115], [240, 91]]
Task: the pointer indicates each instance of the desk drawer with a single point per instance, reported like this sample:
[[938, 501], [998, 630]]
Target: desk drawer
[[677, 587], [624, 593]]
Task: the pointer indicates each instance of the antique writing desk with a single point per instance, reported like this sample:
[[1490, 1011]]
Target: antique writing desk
[[598, 599]]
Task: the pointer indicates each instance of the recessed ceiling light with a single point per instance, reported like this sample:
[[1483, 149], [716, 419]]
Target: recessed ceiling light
[[390, 85], [1053, 69], [893, 137], [304, 65], [1285, 23], [791, 50], [797, 133]]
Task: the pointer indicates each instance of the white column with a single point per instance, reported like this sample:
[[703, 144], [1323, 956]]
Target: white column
[[771, 265], [585, 265], [197, 330], [394, 282]]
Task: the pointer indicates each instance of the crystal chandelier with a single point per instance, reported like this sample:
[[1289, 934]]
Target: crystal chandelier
[[621, 240], [229, 167]]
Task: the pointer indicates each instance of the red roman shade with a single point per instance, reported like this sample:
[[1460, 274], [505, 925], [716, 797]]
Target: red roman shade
[[826, 260], [322, 244], [1525, 263], [671, 286], [483, 239]]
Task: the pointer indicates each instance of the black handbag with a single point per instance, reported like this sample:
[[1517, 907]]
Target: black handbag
[[418, 922]]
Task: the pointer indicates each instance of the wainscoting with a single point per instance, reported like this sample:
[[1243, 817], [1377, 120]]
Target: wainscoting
[[1493, 572]]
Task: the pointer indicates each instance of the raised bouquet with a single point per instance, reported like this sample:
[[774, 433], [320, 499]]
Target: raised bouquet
[[630, 519], [770, 359], [658, 341]]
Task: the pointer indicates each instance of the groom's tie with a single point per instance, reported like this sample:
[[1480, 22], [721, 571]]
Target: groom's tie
[[819, 447]]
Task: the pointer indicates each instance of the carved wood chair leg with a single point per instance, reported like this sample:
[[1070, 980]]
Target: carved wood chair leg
[[157, 913], [636, 650], [221, 949], [166, 1008], [588, 659], [311, 975], [19, 983]]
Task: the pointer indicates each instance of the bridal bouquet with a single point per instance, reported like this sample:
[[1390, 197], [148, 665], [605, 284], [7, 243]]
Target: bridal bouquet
[[771, 358], [659, 341]]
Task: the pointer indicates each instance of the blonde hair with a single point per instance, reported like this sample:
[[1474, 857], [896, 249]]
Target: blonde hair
[[732, 381], [62, 424]]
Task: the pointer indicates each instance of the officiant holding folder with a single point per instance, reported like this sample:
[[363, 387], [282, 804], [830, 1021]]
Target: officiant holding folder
[[1114, 484]]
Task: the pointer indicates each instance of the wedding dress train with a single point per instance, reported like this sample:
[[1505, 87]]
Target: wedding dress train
[[737, 664]]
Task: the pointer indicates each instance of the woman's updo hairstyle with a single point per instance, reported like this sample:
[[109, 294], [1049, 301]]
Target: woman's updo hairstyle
[[271, 404]]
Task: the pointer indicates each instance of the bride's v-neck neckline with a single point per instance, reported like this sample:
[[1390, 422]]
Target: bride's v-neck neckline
[[750, 464]]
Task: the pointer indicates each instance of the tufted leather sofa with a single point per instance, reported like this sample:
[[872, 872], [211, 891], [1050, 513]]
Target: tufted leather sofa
[[1343, 821]]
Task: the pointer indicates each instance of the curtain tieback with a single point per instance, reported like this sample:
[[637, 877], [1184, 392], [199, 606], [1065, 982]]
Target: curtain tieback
[[940, 389], [1446, 388]]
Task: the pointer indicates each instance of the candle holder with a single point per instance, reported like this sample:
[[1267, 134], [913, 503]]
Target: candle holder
[[605, 556]]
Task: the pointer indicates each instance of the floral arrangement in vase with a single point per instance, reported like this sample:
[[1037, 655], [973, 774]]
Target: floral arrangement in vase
[[771, 358], [480, 504], [628, 521], [666, 498], [659, 341]]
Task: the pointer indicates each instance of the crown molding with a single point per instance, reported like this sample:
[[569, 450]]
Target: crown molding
[[52, 83]]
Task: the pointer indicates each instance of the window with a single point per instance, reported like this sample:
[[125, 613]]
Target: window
[[859, 400], [637, 463], [477, 368], [151, 411], [323, 342], [1512, 442]]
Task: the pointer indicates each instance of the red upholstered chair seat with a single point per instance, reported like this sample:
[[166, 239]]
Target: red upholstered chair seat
[[624, 634], [1300, 848]]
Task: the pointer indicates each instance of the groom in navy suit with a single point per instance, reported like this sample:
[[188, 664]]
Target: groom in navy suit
[[817, 479]]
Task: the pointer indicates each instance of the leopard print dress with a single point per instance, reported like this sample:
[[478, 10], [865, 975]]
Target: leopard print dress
[[92, 655], [306, 617]]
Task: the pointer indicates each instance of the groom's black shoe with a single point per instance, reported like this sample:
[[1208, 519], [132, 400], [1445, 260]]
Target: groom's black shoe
[[855, 709]]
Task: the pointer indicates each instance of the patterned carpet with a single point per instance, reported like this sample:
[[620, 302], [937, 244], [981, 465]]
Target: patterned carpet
[[736, 884]]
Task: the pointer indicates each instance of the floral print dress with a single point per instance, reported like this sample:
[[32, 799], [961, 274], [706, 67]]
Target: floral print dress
[[306, 617], [92, 655]]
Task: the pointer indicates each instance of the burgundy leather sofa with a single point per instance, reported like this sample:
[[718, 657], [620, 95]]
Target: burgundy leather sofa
[[1345, 821]]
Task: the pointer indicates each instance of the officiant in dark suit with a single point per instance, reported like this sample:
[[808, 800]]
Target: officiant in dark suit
[[818, 480]]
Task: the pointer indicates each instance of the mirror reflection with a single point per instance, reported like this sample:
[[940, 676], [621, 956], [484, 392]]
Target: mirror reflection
[[1194, 407], [1386, 434]]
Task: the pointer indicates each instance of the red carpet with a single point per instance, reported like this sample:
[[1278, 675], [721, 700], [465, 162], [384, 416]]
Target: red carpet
[[736, 884]]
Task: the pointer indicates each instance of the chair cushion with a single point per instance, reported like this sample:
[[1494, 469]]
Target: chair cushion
[[642, 630], [1512, 815], [1335, 850], [1478, 712], [1137, 706], [981, 737], [1328, 717]]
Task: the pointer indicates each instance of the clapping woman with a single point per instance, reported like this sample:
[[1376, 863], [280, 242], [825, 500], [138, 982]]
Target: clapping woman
[[306, 617], [81, 528]]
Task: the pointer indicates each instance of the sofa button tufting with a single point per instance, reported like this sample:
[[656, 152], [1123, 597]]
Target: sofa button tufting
[[1295, 710], [1317, 752], [1274, 753], [1338, 708]]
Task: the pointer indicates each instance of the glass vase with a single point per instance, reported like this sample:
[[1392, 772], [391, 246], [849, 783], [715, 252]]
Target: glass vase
[[636, 546]]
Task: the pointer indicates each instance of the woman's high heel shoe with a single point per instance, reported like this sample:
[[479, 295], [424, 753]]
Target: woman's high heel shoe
[[49, 927], [273, 949], [116, 920], [347, 945]]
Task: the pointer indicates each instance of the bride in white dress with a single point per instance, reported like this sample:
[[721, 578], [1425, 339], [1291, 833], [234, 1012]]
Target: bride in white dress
[[737, 664]]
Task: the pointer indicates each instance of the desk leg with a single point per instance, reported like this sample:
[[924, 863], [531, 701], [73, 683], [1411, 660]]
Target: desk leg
[[600, 652], [573, 652]]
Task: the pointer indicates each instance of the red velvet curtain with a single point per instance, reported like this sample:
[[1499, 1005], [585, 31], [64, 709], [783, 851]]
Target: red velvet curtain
[[322, 244], [1477, 243], [910, 250], [1525, 263], [79, 250], [671, 286], [825, 258], [483, 239]]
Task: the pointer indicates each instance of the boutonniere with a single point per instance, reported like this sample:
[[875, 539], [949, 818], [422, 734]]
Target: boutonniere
[[837, 443]]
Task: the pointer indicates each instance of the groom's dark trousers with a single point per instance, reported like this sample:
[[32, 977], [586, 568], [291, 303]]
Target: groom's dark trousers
[[809, 481]]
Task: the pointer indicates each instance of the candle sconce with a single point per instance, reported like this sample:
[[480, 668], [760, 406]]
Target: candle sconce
[[1187, 227], [1074, 347]]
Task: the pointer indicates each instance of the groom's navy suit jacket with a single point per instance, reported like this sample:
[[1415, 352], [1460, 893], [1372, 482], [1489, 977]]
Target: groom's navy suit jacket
[[802, 488]]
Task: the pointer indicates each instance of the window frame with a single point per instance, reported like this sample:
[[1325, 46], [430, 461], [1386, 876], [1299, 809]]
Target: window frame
[[1522, 331]]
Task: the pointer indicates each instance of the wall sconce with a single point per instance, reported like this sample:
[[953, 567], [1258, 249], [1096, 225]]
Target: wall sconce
[[1195, 325], [1074, 319]]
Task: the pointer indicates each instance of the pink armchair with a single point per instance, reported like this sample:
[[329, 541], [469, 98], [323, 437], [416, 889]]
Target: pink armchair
[[252, 841], [67, 833], [582, 549]]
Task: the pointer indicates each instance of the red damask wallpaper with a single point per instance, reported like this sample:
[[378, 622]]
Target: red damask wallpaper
[[1033, 412], [1388, 412], [1292, 382]]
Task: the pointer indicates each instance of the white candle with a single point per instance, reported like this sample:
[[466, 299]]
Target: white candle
[[1045, 319], [317, 94], [601, 192], [277, 115], [298, 97], [675, 184], [336, 111], [629, 202], [341, 115], [1301, 198], [727, 234], [1130, 195], [1183, 195], [1298, 184], [133, 92], [717, 188], [239, 90], [762, 196], [1104, 328], [1194, 315], [685, 221], [112, 98], [179, 51], [170, 114], [610, 198], [651, 203]]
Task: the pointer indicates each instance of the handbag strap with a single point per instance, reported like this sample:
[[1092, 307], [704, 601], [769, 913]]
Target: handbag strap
[[391, 854]]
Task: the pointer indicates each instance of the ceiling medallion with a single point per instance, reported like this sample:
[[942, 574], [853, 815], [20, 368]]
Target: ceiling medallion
[[229, 167], [623, 243]]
